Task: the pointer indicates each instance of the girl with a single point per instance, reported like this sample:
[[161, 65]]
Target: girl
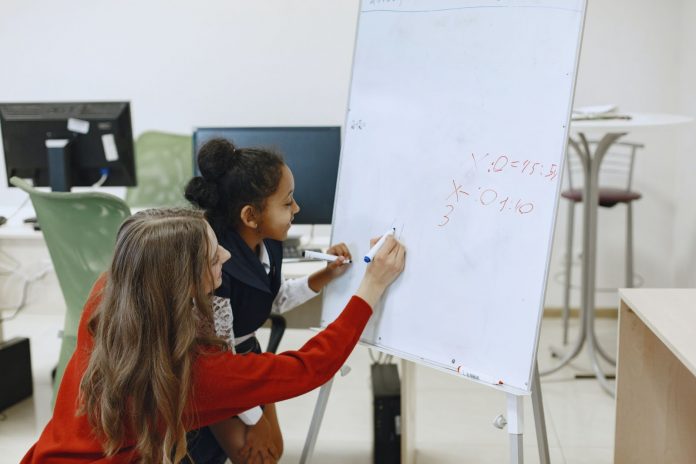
[[247, 195], [148, 366]]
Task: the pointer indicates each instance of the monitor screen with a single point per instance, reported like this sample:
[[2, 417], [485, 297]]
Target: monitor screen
[[97, 136], [312, 153]]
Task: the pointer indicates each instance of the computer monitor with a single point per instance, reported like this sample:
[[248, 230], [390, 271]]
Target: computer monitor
[[312, 153], [68, 144]]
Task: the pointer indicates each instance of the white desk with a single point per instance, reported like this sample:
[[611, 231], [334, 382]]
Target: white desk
[[17, 240], [609, 130], [20, 240], [656, 382], [15, 228]]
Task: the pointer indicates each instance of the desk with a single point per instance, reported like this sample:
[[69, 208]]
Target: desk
[[609, 130], [15, 234], [15, 228], [21, 241], [656, 382]]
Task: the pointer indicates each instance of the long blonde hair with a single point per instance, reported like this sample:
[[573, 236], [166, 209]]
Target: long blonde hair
[[146, 331]]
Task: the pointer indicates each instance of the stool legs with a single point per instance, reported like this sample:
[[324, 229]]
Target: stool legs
[[568, 269], [629, 244], [569, 260]]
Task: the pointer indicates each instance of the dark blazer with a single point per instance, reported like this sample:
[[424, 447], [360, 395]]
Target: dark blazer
[[245, 282]]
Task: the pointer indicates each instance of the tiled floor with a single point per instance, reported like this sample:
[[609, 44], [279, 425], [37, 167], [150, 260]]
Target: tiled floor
[[453, 416]]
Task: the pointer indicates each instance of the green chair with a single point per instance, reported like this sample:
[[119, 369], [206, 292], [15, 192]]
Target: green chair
[[80, 232], [164, 164]]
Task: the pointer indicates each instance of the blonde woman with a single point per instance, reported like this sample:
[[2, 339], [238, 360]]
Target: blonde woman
[[148, 366]]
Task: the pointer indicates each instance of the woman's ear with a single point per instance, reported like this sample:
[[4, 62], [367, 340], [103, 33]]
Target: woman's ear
[[249, 217]]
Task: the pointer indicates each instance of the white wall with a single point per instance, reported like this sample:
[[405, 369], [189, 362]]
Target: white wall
[[263, 62], [685, 185], [181, 63]]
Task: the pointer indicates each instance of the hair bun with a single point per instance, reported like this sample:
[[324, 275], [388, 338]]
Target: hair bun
[[215, 158], [202, 193]]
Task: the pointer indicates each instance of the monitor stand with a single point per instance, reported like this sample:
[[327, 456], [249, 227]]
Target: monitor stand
[[58, 152]]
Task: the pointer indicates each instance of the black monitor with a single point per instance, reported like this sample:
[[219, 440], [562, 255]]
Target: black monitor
[[312, 153], [68, 144]]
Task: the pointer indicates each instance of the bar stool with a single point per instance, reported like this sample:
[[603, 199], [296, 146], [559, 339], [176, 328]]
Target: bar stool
[[615, 179]]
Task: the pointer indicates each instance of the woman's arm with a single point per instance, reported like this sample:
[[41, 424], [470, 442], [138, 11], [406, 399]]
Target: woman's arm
[[226, 384]]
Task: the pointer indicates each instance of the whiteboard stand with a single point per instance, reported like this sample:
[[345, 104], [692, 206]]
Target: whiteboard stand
[[514, 421], [539, 418], [515, 424], [314, 426], [408, 408], [317, 417]]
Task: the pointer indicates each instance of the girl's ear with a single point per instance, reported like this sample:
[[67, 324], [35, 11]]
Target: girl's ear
[[249, 217]]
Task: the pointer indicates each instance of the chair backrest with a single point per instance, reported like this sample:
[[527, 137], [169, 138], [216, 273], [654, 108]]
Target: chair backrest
[[164, 164], [616, 170], [80, 233]]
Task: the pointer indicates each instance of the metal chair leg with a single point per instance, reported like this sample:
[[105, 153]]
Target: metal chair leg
[[629, 245], [568, 269], [278, 325]]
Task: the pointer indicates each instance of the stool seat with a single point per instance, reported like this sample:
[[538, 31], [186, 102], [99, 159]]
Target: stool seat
[[608, 197]]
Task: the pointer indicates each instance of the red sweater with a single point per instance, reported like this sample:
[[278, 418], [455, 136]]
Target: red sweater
[[224, 384]]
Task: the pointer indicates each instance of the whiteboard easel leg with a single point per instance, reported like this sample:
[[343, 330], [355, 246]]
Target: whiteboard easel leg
[[317, 417], [408, 405], [515, 423], [539, 418]]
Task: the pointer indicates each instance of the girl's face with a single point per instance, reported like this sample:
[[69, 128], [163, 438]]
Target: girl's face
[[216, 259], [280, 209]]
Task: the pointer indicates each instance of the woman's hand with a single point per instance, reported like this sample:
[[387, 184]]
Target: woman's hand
[[382, 270]]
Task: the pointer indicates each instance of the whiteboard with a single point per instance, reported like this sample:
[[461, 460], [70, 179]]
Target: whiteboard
[[455, 135]]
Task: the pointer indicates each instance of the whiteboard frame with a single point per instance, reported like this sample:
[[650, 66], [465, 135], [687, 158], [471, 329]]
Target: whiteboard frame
[[443, 367]]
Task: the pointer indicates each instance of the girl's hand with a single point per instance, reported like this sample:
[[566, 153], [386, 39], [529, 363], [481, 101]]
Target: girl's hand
[[338, 267], [320, 279], [259, 445]]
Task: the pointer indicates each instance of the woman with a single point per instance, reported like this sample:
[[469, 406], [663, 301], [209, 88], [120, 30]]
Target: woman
[[248, 198], [148, 367]]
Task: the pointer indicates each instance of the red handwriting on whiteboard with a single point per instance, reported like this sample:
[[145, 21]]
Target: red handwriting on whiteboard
[[525, 167], [457, 193], [485, 197]]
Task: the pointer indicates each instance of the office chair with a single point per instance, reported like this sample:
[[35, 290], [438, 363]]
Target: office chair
[[164, 164], [278, 324], [615, 186], [80, 233]]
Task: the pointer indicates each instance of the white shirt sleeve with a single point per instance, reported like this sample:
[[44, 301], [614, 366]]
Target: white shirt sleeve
[[222, 317], [292, 293], [252, 416]]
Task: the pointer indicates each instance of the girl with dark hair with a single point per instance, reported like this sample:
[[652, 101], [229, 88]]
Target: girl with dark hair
[[247, 196], [148, 367]]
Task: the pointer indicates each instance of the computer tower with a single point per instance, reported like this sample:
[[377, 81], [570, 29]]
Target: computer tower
[[386, 391], [15, 371]]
